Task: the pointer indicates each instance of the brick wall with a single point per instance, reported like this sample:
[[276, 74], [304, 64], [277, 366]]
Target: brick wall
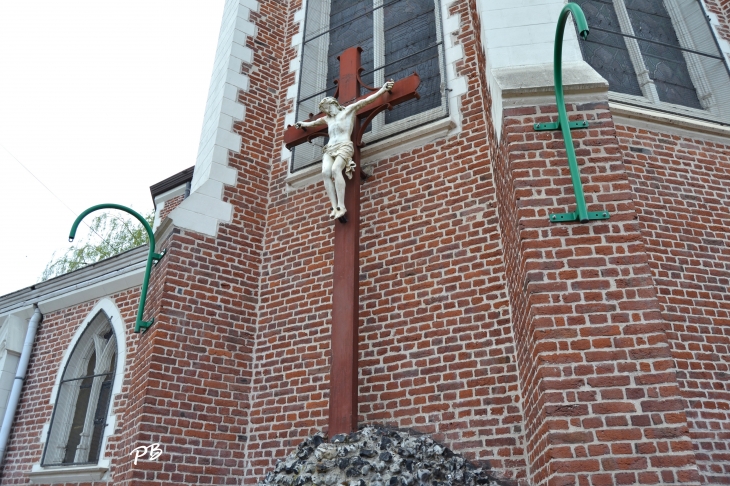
[[53, 338], [170, 204], [721, 8], [601, 396], [436, 352], [682, 195], [555, 353], [193, 394]]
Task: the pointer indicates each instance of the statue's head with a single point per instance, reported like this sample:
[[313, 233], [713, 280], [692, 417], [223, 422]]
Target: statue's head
[[326, 103]]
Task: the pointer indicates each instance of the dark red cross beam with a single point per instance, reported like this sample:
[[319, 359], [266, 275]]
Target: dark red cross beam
[[345, 295]]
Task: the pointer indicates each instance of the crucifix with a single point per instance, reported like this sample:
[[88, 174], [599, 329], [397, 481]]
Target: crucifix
[[345, 295]]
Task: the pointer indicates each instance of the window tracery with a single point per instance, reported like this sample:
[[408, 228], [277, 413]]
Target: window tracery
[[659, 54], [76, 432], [398, 37]]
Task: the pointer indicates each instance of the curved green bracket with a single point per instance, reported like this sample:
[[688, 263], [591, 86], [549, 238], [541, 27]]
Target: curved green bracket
[[151, 255], [581, 213]]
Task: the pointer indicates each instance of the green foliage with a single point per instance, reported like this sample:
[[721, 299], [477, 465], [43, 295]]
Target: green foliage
[[118, 235]]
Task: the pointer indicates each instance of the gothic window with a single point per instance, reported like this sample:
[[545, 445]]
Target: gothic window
[[79, 417], [398, 37], [660, 54]]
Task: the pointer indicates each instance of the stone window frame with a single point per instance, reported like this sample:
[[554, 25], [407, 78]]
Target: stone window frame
[[401, 135], [315, 68], [40, 474], [650, 98]]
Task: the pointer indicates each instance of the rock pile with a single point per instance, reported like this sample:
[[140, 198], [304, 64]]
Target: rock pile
[[376, 456]]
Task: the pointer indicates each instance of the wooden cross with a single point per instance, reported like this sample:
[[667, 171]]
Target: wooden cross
[[345, 295]]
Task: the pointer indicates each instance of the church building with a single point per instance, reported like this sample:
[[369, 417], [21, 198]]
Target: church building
[[540, 287]]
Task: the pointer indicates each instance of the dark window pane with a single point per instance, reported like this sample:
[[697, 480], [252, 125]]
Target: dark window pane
[[350, 33], [410, 45], [102, 408], [666, 65], [82, 405], [605, 52]]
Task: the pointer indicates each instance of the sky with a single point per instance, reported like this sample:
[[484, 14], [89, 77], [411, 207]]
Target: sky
[[99, 99]]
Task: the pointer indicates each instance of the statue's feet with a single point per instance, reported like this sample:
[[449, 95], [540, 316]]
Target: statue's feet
[[332, 213], [340, 213]]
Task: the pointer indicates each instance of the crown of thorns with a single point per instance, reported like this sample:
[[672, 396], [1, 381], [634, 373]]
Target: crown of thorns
[[329, 101]]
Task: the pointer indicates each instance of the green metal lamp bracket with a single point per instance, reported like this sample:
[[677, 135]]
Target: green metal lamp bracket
[[152, 257], [574, 125], [581, 213]]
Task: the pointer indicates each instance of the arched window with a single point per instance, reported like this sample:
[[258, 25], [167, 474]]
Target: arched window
[[79, 417]]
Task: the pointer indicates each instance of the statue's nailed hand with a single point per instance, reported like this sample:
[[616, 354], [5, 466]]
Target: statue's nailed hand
[[388, 85], [298, 125]]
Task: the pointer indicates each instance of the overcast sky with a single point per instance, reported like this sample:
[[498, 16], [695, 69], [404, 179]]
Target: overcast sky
[[99, 99]]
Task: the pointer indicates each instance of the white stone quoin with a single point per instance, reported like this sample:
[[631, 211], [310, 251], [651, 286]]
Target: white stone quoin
[[204, 208]]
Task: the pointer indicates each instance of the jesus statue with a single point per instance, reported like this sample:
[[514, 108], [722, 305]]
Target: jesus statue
[[337, 154]]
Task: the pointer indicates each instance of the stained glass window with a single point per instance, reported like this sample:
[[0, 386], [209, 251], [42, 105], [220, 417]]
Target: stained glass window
[[663, 58], [398, 37], [662, 51], [605, 50]]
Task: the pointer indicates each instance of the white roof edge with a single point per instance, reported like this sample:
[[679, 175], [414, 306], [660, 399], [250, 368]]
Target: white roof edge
[[90, 276]]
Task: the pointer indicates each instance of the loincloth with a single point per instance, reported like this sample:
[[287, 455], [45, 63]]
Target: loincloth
[[345, 150]]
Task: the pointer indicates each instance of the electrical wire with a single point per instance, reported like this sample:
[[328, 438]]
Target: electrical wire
[[651, 41], [52, 193], [365, 73]]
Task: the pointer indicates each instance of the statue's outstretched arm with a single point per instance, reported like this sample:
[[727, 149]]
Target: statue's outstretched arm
[[315, 123], [366, 101]]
